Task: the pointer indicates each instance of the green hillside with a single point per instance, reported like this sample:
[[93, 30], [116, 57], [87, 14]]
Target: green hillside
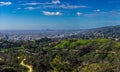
[[66, 55]]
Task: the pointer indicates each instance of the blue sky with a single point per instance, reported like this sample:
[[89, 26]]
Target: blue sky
[[58, 14]]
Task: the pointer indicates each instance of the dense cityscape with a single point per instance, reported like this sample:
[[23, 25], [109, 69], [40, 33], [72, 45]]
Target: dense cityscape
[[104, 32], [36, 34]]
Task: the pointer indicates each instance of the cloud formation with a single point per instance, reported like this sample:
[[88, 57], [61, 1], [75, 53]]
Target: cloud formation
[[5, 3], [79, 13], [45, 3], [35, 3], [52, 13], [56, 1], [18, 8], [97, 10], [30, 8], [72, 6], [63, 6]]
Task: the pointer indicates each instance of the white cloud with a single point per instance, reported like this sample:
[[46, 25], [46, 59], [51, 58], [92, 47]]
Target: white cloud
[[55, 4], [46, 3], [91, 15], [30, 8], [5, 3], [56, 1], [73, 6], [32, 3], [79, 13], [18, 8], [63, 6], [97, 10], [35, 3], [38, 3], [51, 13]]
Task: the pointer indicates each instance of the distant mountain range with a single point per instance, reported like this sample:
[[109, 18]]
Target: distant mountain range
[[108, 31]]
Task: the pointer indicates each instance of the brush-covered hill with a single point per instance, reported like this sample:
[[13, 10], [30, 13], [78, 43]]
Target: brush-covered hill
[[106, 32], [67, 55]]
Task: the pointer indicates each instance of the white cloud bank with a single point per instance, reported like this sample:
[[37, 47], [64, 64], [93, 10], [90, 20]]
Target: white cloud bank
[[36, 3], [30, 8], [72, 6], [5, 3], [46, 3], [52, 13], [56, 1]]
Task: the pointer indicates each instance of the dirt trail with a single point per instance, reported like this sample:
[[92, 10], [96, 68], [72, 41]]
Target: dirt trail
[[30, 69]]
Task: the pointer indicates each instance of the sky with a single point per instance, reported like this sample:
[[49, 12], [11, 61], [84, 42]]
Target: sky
[[58, 14]]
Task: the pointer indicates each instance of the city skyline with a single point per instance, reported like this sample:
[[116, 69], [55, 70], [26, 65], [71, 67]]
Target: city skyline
[[58, 14]]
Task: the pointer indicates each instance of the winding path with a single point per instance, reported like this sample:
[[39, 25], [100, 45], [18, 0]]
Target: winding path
[[30, 69]]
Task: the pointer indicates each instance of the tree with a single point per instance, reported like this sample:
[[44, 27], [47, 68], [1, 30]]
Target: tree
[[60, 66]]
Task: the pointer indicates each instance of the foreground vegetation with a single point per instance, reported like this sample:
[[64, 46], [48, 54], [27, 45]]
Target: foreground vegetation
[[60, 55]]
